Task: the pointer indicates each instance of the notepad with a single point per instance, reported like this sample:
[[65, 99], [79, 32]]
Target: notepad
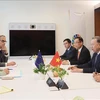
[[4, 89]]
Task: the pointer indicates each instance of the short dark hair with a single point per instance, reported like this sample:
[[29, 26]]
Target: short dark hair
[[68, 40], [97, 38], [80, 39]]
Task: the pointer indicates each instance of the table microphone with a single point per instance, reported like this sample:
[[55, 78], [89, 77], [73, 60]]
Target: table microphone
[[30, 58]]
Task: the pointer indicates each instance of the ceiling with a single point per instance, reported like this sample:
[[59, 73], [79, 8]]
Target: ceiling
[[46, 0]]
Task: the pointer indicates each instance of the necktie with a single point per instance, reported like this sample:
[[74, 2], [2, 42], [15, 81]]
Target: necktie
[[96, 58], [78, 55], [95, 63]]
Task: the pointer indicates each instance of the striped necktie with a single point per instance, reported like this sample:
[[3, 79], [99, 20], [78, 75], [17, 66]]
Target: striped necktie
[[95, 62], [96, 59]]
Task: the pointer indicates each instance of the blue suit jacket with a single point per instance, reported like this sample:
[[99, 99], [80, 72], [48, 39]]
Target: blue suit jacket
[[70, 55], [91, 65]]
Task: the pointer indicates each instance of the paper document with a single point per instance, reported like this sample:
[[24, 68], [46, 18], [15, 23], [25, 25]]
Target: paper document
[[16, 73]]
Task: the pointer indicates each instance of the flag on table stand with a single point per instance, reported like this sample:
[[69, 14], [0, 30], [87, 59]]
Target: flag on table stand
[[56, 61], [39, 60]]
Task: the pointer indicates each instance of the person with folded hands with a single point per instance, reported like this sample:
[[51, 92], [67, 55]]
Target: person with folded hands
[[4, 53], [94, 64], [70, 55]]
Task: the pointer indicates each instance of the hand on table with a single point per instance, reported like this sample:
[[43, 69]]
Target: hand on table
[[75, 69], [95, 73], [65, 62], [6, 71], [96, 76], [11, 63]]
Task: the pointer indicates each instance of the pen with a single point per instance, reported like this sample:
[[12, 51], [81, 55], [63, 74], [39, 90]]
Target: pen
[[10, 69]]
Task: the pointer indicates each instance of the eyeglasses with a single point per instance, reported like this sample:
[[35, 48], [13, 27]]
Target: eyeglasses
[[3, 41]]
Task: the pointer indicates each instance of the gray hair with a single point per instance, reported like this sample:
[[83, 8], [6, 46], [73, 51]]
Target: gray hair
[[2, 35], [97, 38]]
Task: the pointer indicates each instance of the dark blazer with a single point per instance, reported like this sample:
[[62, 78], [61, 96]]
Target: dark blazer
[[84, 56], [70, 55], [3, 59], [91, 65]]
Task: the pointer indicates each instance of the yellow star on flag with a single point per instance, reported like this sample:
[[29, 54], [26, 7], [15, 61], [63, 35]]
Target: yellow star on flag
[[57, 60]]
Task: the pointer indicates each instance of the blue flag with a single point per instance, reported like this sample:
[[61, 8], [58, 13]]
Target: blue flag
[[39, 60]]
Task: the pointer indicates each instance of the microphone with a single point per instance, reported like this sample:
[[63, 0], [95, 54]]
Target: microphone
[[30, 58]]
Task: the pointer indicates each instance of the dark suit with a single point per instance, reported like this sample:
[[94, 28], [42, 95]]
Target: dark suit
[[3, 58], [70, 55], [91, 65], [84, 56]]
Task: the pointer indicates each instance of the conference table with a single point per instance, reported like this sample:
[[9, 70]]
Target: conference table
[[30, 87]]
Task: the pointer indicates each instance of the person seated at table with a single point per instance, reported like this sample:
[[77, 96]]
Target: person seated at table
[[4, 53], [94, 64], [4, 71], [83, 53], [70, 54]]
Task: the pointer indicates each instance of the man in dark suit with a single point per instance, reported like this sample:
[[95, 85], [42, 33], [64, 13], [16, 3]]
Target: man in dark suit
[[70, 54], [83, 53], [4, 53], [94, 64]]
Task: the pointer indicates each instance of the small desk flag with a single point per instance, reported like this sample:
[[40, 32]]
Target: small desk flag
[[56, 61], [39, 60]]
